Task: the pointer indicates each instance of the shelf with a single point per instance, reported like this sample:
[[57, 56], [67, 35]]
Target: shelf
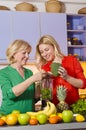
[[77, 46], [77, 31], [65, 1], [75, 15], [76, 28]]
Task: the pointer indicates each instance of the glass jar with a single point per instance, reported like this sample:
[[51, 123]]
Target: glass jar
[[46, 89]]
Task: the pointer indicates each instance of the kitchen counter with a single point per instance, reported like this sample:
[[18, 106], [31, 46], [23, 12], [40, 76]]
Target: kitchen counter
[[59, 126]]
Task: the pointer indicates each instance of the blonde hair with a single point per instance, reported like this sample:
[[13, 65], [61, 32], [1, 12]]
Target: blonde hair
[[47, 39], [14, 47]]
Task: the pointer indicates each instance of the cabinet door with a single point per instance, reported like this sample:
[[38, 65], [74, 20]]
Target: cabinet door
[[26, 27], [5, 33], [55, 24]]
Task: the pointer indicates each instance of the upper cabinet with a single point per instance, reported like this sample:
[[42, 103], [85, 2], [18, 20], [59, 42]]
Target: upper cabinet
[[55, 24], [30, 26], [76, 35], [68, 30], [25, 26], [5, 33]]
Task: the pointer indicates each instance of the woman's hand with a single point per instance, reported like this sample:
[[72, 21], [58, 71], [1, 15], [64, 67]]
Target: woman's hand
[[39, 75], [63, 72]]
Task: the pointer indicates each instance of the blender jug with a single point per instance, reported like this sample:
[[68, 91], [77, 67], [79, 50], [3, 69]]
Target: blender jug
[[46, 89]]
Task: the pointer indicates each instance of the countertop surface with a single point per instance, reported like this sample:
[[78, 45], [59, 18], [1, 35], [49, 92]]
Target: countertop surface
[[59, 126]]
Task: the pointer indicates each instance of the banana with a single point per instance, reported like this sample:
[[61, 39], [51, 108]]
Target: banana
[[33, 113], [49, 109], [45, 111], [52, 109]]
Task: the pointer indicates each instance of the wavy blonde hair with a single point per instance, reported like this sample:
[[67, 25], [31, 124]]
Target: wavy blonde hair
[[16, 46], [47, 39]]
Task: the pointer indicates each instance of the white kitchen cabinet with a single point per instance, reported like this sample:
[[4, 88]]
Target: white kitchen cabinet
[[30, 26], [18, 25], [26, 27], [5, 32], [55, 24]]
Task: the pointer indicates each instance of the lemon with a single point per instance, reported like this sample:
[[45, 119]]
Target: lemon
[[11, 119], [33, 117], [79, 118], [59, 114], [52, 115]]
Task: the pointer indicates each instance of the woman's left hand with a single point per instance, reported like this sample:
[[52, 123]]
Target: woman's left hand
[[63, 72]]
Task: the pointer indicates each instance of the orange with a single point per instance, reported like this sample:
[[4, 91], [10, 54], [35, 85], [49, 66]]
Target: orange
[[2, 122], [53, 119], [4, 118], [59, 118], [33, 121], [11, 119]]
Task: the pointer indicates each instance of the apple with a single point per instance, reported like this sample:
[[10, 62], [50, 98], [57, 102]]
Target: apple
[[16, 112], [42, 118], [67, 116], [1, 114], [23, 119]]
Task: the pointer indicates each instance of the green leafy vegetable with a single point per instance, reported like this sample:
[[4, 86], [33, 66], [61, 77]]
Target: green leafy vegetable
[[46, 93], [54, 68], [79, 107]]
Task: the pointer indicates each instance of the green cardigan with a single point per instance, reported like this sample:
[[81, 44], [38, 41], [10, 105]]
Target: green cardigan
[[9, 77]]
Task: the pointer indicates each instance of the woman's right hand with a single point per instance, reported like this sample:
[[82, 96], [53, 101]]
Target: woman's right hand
[[39, 75]]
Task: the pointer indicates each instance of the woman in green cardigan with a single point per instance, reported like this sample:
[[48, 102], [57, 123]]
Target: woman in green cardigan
[[16, 82]]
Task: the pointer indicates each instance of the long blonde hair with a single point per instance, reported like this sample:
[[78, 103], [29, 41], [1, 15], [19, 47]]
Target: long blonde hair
[[47, 39]]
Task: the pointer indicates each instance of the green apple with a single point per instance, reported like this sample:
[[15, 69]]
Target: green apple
[[1, 114], [23, 119], [67, 116], [42, 118], [16, 111]]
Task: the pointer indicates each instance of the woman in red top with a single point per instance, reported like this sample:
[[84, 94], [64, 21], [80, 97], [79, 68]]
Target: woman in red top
[[70, 72]]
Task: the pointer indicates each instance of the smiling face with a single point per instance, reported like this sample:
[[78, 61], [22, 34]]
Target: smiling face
[[18, 52], [47, 51], [21, 57]]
